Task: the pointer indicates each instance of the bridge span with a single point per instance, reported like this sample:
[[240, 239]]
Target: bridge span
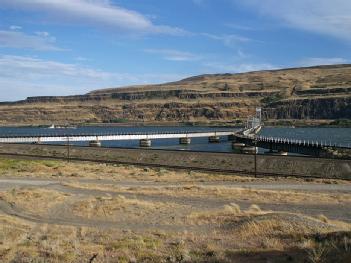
[[286, 145], [94, 139]]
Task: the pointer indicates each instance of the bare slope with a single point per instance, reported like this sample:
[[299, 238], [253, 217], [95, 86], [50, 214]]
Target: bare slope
[[316, 93]]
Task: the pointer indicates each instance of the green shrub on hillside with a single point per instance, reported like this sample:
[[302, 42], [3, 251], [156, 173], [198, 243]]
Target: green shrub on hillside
[[271, 99]]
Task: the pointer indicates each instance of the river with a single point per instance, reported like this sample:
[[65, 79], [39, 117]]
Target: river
[[339, 136]]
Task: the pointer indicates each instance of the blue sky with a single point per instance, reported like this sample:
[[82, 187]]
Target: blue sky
[[64, 47]]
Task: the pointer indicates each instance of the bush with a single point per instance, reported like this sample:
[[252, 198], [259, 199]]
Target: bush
[[271, 99]]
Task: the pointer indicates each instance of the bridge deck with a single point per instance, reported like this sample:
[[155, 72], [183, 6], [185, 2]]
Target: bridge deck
[[110, 137]]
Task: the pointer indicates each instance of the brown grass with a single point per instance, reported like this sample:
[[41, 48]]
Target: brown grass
[[62, 169], [122, 209], [228, 193], [38, 200], [157, 224]]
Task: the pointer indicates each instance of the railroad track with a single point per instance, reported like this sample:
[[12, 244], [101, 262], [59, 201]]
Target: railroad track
[[175, 167]]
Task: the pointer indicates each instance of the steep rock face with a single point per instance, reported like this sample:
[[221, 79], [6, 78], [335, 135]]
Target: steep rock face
[[45, 115], [301, 93], [172, 111], [311, 108], [144, 95]]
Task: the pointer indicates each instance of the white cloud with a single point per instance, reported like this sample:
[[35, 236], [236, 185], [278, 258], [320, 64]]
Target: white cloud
[[231, 40], [238, 67], [239, 27], [42, 34], [307, 62], [329, 17], [21, 77], [93, 12], [242, 55], [31, 68], [81, 59], [174, 55], [13, 27], [16, 39]]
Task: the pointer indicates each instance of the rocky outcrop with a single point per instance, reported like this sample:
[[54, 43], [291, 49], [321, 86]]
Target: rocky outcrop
[[310, 108], [144, 95]]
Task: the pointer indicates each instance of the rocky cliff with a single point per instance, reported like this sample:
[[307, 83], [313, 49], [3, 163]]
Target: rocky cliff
[[316, 93]]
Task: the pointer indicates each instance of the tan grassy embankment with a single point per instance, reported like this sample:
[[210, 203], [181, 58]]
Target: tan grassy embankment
[[53, 211]]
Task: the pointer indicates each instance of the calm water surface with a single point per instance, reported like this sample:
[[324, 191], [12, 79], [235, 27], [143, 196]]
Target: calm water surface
[[339, 136]]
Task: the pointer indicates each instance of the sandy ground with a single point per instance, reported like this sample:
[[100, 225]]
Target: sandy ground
[[82, 212]]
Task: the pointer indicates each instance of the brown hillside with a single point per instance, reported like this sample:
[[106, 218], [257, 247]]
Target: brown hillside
[[316, 93]]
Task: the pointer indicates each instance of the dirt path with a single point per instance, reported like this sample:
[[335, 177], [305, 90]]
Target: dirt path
[[69, 220], [7, 183], [61, 214]]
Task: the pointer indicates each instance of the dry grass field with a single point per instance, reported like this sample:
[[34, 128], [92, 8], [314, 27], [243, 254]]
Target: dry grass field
[[54, 211]]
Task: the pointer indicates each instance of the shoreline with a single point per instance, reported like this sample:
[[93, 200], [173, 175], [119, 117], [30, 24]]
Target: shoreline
[[176, 124]]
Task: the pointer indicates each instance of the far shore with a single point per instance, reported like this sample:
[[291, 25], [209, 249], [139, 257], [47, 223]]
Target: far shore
[[233, 124]]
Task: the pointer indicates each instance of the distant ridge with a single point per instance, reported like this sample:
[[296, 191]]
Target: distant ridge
[[308, 94], [202, 76]]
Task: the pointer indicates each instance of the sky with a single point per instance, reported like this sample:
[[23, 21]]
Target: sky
[[67, 47]]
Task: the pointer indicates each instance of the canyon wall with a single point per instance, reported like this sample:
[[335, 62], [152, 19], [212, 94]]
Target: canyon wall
[[316, 93]]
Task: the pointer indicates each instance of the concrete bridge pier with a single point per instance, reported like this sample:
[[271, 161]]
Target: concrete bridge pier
[[145, 143], [250, 150], [238, 145], [95, 143], [214, 139], [184, 140], [38, 142]]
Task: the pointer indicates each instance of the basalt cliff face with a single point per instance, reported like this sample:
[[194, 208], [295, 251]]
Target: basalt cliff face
[[316, 93]]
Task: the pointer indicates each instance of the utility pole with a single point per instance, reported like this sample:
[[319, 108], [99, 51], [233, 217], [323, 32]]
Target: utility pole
[[255, 157], [68, 153]]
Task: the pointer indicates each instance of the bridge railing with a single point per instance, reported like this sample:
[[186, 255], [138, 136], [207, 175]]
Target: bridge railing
[[112, 137], [112, 134], [300, 142]]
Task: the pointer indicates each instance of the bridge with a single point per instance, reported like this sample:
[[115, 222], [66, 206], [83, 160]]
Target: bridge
[[145, 139], [247, 141], [95, 139], [285, 145]]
